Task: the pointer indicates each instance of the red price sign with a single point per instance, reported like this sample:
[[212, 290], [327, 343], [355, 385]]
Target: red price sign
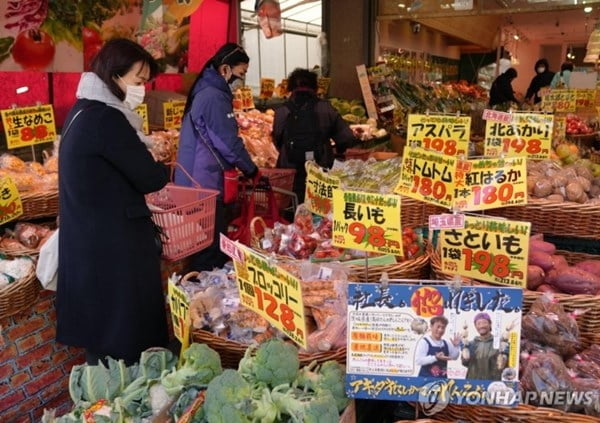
[[28, 126], [428, 187], [440, 145], [446, 134], [484, 262]]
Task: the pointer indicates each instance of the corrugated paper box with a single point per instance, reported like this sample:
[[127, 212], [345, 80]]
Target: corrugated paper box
[[155, 99]]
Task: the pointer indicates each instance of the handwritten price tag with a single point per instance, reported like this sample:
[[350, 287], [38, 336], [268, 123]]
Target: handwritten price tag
[[180, 313], [173, 114], [486, 249], [490, 183], [10, 201], [368, 222], [585, 98], [319, 189], [272, 293], [529, 134], [560, 101], [427, 176], [445, 134], [142, 110], [26, 126]]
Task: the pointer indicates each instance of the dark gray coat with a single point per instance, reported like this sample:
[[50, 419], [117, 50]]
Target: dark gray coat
[[109, 295]]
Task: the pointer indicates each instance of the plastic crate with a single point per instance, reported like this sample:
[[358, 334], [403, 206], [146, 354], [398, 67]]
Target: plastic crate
[[187, 218]]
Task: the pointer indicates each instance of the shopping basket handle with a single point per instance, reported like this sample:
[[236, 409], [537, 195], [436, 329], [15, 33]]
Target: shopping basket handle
[[176, 164]]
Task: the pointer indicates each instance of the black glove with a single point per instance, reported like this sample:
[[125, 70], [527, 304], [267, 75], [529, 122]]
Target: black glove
[[252, 174]]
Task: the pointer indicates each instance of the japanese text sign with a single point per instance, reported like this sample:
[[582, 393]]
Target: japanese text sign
[[585, 99], [528, 134], [492, 250], [319, 189], [391, 334], [180, 313], [272, 293], [559, 128], [560, 101], [10, 201], [446, 221], [142, 110], [489, 183], [445, 134], [267, 86], [27, 126], [173, 114], [427, 176], [367, 221], [496, 116]]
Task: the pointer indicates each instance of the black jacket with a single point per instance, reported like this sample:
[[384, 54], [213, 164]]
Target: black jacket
[[502, 91], [539, 81], [109, 295]]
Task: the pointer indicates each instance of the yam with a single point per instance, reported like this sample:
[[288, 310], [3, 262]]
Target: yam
[[535, 277], [574, 191], [572, 280], [547, 288], [542, 188], [546, 247], [559, 261], [592, 266], [537, 237], [541, 259]]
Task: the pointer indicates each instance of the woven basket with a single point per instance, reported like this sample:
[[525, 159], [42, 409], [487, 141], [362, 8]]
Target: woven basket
[[16, 249], [416, 268], [566, 219], [231, 352], [19, 295], [39, 204], [416, 213]]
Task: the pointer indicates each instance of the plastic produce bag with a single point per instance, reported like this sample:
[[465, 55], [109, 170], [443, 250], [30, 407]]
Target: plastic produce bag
[[47, 266], [269, 17]]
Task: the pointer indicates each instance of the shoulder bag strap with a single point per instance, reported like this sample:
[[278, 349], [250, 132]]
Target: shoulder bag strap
[[207, 143]]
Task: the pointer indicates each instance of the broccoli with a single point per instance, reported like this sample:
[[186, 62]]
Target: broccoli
[[306, 408], [228, 399], [329, 376], [274, 363]]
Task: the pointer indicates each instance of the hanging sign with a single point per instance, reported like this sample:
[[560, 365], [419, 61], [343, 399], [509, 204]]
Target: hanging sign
[[273, 293], [448, 135], [267, 87], [173, 114], [560, 101], [10, 201], [142, 110], [26, 126], [319, 189], [490, 183], [367, 221], [528, 134], [427, 176], [487, 249]]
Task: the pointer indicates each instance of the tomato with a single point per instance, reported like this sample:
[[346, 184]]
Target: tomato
[[33, 49]]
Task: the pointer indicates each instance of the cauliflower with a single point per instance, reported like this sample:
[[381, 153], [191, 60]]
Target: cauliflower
[[274, 363], [329, 376], [228, 399]]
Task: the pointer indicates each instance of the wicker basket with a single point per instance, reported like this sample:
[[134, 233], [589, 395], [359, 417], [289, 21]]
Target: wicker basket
[[416, 268], [39, 204], [416, 213], [19, 295], [566, 219], [15, 248]]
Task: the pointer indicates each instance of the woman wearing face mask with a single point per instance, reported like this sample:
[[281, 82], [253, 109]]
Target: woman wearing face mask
[[109, 296], [543, 78], [209, 143]]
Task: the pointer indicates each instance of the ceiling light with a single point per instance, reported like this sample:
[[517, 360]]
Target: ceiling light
[[401, 5], [587, 9], [516, 36]]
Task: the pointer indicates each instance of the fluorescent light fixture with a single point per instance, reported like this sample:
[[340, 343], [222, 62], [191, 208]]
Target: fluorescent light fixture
[[22, 90]]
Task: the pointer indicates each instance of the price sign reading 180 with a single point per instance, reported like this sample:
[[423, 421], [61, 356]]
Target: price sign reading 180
[[28, 126], [272, 293], [448, 135]]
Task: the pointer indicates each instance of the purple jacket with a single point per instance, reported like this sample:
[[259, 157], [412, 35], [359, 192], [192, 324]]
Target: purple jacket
[[209, 141]]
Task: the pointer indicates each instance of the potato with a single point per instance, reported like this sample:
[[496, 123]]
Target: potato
[[546, 247], [569, 173], [592, 266], [572, 280], [547, 288], [583, 198], [535, 277], [585, 183], [559, 261], [594, 191], [537, 237], [596, 181], [574, 191], [562, 191], [559, 181], [584, 172], [541, 259], [531, 181], [556, 198], [542, 188]]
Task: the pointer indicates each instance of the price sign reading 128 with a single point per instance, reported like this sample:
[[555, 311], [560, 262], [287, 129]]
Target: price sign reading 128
[[272, 293], [27, 126], [448, 135]]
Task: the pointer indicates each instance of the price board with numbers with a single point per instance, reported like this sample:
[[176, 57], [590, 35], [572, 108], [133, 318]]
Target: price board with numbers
[[142, 110], [585, 99], [273, 293], [489, 183], [427, 176], [445, 134], [26, 126], [179, 303], [528, 134], [367, 221], [319, 189], [10, 201], [560, 101], [173, 114], [486, 249]]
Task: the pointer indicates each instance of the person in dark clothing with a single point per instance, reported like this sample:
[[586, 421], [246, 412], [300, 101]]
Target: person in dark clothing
[[109, 297], [209, 143], [502, 91], [302, 83], [480, 357], [542, 79]]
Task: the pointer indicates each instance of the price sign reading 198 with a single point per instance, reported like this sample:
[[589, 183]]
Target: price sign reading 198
[[443, 146]]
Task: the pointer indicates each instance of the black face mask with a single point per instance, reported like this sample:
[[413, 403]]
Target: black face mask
[[232, 78]]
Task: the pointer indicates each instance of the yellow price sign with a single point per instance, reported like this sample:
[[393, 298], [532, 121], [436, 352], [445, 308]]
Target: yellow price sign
[[247, 98], [528, 134], [142, 110], [448, 135], [560, 101], [367, 221], [585, 98], [559, 128], [173, 114], [10, 201], [492, 250], [323, 84], [319, 189], [26, 126], [490, 183], [427, 176], [273, 293], [267, 87], [180, 313]]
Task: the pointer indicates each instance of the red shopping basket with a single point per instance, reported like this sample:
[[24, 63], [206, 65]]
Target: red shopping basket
[[186, 216], [278, 178]]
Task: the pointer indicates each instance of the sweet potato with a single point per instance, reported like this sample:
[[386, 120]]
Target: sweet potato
[[541, 259], [572, 280], [547, 288], [537, 237], [592, 266], [546, 247], [535, 277], [559, 261]]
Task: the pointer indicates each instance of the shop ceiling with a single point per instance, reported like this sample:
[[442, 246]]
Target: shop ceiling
[[479, 24]]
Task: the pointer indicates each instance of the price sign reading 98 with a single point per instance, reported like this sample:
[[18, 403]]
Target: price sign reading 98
[[27, 126], [427, 176], [490, 183], [448, 135], [491, 250], [173, 114], [529, 134], [272, 293], [367, 221]]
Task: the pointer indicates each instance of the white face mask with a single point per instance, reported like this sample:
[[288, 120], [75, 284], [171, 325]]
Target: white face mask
[[541, 69], [134, 95]]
